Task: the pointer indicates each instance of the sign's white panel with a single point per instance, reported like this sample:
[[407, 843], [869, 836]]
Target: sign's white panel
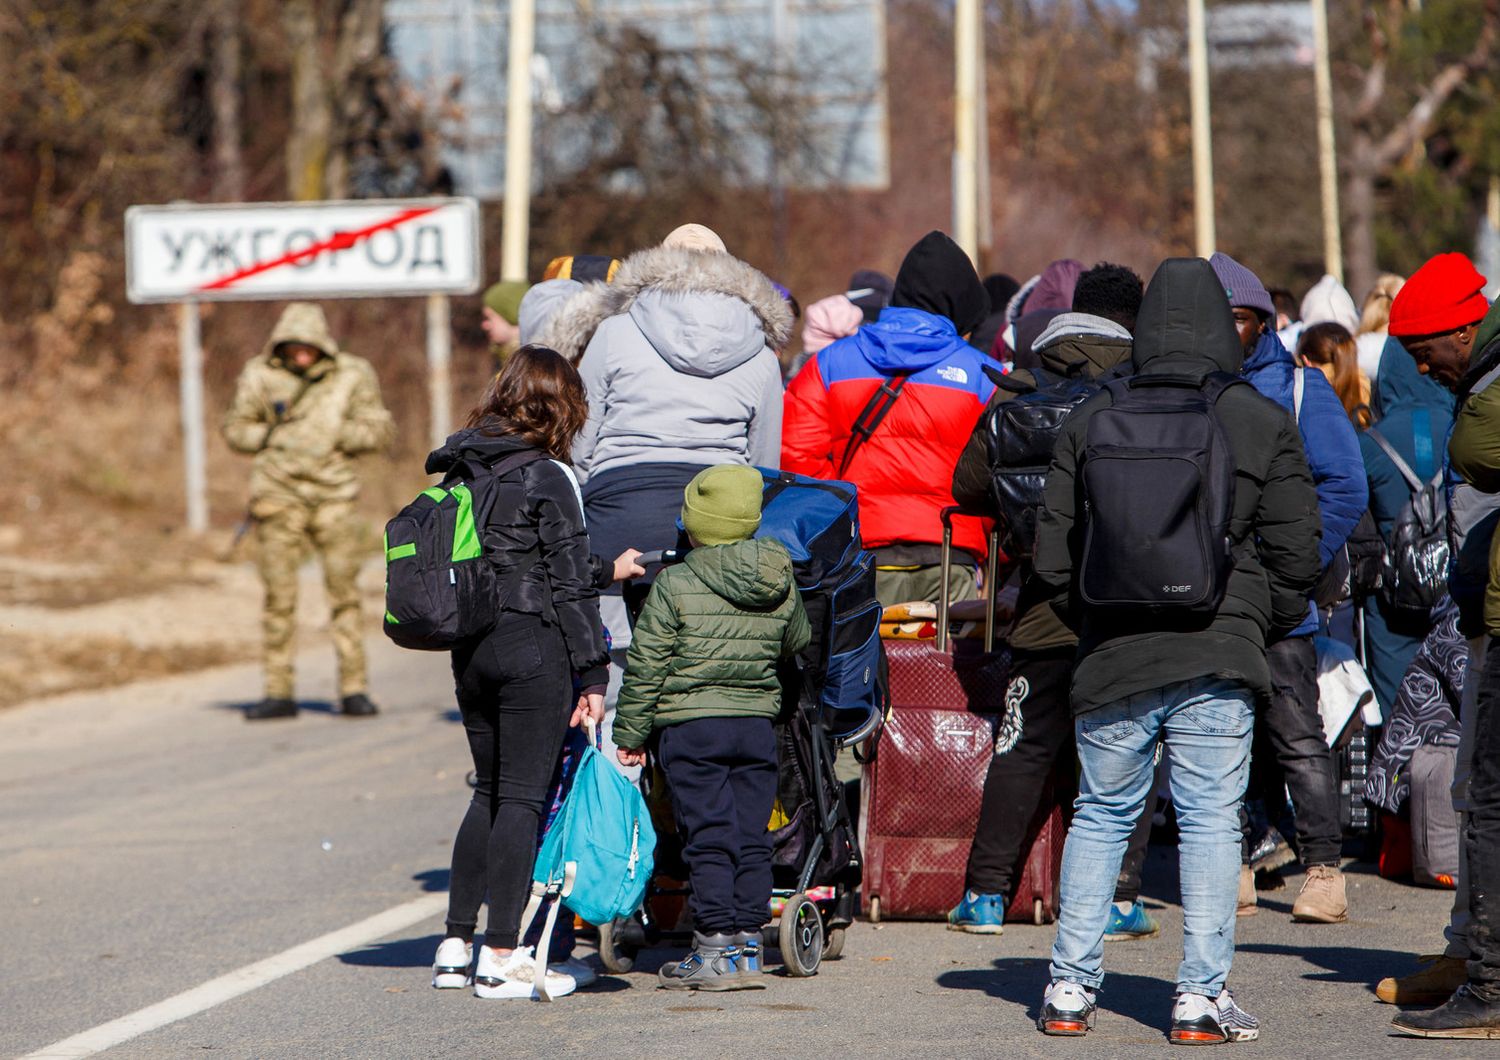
[[358, 249]]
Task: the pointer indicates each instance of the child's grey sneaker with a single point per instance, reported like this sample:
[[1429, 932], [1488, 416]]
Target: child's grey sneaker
[[749, 944], [712, 965]]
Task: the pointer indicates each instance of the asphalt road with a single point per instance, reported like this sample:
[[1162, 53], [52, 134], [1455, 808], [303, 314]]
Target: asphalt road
[[151, 841]]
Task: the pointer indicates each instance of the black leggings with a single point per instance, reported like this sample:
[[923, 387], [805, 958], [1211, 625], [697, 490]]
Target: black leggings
[[515, 691]]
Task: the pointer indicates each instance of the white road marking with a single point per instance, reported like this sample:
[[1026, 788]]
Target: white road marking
[[243, 980]]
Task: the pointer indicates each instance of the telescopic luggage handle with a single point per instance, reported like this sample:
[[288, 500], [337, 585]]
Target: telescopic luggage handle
[[945, 588]]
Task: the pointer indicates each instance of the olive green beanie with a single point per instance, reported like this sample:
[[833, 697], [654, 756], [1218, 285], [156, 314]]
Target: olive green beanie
[[505, 298], [722, 504]]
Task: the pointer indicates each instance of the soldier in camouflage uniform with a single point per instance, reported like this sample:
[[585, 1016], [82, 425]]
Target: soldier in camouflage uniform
[[304, 410]]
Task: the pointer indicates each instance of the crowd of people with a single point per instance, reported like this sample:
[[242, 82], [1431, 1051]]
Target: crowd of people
[[635, 395]]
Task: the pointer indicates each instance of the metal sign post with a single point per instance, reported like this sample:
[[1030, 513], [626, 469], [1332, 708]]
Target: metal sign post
[[190, 390], [186, 254]]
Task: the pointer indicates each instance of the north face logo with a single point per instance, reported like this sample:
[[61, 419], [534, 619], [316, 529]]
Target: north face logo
[[953, 374]]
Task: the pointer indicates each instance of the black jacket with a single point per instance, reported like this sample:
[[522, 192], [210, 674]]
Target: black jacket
[[1037, 627], [537, 509], [1185, 328]]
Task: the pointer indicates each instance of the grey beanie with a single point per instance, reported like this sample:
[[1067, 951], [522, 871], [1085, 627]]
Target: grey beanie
[[541, 303], [1242, 286]]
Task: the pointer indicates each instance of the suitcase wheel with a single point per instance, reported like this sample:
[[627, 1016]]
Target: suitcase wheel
[[872, 912], [1037, 917], [801, 936]]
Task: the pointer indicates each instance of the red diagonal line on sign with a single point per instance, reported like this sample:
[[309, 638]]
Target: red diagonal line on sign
[[337, 241]]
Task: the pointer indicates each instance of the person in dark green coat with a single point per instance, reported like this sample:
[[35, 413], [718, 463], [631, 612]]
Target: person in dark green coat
[[702, 670]]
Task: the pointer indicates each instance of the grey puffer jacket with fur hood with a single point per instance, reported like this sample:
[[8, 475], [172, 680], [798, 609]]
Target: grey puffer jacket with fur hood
[[678, 355]]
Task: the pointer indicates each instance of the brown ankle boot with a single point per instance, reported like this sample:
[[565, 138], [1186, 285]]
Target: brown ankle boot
[[1433, 985], [1247, 893], [1323, 899]]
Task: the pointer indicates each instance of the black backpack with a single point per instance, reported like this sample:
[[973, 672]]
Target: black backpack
[[1158, 489], [1020, 437], [440, 590], [1414, 568]]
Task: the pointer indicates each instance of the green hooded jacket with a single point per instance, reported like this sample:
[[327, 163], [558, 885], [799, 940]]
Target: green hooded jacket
[[1474, 453], [709, 638], [304, 430]]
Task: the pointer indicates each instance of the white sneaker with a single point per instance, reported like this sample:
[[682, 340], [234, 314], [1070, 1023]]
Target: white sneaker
[[450, 968], [1199, 1020], [498, 977], [1067, 1009], [577, 969]]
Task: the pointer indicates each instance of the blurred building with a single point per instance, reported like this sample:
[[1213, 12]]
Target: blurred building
[[747, 55]]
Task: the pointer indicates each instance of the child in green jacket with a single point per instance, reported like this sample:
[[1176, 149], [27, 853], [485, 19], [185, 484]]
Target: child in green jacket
[[702, 670]]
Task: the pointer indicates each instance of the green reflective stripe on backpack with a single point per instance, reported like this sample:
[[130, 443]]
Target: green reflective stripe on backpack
[[392, 619], [401, 551], [437, 494], [465, 534]]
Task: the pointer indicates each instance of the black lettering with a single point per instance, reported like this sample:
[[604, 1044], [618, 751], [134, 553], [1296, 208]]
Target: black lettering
[[219, 250], [309, 238], [180, 249], [256, 254], [398, 245], [417, 261]]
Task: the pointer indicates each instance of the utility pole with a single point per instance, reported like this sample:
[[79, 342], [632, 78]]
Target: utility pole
[[966, 25], [516, 221], [1328, 169], [986, 227], [1203, 149]]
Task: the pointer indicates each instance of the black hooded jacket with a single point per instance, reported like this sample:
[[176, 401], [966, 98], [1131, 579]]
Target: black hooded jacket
[[937, 277], [537, 510], [1185, 328]]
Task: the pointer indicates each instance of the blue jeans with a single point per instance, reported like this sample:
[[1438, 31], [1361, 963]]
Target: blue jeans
[[1205, 725]]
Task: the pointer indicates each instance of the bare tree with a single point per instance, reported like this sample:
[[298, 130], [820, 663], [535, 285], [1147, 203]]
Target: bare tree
[[1377, 147], [224, 93], [328, 51]]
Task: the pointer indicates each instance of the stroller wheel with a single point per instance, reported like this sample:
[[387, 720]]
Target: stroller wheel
[[833, 946], [801, 936], [618, 946]]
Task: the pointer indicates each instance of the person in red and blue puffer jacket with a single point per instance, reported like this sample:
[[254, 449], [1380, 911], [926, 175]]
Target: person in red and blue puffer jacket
[[904, 468]]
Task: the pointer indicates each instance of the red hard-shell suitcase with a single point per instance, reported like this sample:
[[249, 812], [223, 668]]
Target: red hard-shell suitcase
[[921, 790]]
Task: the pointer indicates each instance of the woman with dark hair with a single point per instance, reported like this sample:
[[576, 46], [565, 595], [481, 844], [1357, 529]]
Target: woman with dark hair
[[516, 684], [1330, 348]]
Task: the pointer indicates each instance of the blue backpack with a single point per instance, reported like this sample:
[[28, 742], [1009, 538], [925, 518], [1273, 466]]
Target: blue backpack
[[600, 851], [818, 522]]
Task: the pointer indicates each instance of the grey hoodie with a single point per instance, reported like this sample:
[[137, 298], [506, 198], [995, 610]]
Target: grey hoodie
[[678, 355]]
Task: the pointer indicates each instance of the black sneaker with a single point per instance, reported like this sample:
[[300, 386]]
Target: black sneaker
[[271, 708], [1199, 1020], [357, 706], [713, 965], [1464, 1015], [1068, 1010]]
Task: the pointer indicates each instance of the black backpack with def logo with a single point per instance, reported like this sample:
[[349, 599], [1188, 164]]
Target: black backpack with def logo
[[1158, 493]]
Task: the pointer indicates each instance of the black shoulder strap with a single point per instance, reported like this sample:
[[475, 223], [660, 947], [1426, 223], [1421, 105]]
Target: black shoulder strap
[[871, 417], [1215, 383]]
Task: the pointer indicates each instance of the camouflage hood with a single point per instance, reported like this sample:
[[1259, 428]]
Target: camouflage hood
[[302, 322]]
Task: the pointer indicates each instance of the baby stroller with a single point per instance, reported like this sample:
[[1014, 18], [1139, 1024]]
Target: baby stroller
[[833, 698]]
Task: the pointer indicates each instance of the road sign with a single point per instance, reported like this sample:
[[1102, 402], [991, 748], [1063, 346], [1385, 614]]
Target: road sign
[[364, 248]]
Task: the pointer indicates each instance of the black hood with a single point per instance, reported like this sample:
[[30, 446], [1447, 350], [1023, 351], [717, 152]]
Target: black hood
[[937, 277], [473, 442], [1185, 325]]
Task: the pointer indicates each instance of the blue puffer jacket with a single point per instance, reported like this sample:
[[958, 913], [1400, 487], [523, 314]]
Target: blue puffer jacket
[[1329, 440]]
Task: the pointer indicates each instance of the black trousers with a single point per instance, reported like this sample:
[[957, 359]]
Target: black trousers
[[722, 776], [1482, 834], [1035, 736], [1289, 748], [515, 691]]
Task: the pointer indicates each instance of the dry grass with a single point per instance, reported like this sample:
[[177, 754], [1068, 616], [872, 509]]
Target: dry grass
[[42, 666]]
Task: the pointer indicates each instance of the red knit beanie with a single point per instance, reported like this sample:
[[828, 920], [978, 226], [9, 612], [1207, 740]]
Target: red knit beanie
[[1443, 295]]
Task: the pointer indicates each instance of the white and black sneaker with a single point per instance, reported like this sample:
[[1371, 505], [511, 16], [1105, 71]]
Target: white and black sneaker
[[514, 975], [450, 968], [1068, 1009], [1199, 1020]]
